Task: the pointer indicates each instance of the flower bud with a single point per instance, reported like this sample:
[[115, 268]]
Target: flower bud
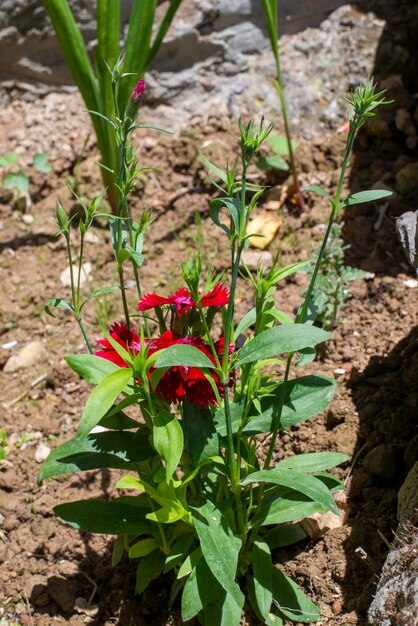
[[62, 219], [135, 98]]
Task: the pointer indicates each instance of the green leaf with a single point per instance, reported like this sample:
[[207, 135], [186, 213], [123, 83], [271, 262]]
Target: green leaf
[[168, 440], [284, 535], [306, 396], [201, 438], [220, 547], [213, 168], [263, 576], [189, 563], [121, 516], [274, 162], [168, 514], [313, 462], [118, 550], [319, 190], [293, 479], [57, 303], [366, 196], [248, 320], [92, 368], [232, 205], [223, 610], [280, 339], [40, 162], [102, 398], [201, 587], [142, 548], [107, 49], [149, 568], [291, 601], [281, 505], [183, 354], [99, 292], [280, 145], [9, 158], [95, 451], [178, 552], [19, 182]]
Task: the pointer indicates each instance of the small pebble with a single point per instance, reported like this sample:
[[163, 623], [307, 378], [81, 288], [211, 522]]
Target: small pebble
[[42, 452], [411, 283]]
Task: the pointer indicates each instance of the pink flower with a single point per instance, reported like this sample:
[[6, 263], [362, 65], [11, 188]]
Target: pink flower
[[137, 92], [183, 301], [127, 338]]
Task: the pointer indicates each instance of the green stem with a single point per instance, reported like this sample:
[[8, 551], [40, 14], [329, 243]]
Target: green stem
[[70, 261], [83, 332], [123, 294]]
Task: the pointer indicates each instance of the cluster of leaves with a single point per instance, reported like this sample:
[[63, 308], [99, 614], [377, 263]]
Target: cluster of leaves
[[332, 286]]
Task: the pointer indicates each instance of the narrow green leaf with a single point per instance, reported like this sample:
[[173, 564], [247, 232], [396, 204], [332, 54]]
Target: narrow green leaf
[[95, 451], [263, 576], [248, 320], [284, 535], [291, 601], [280, 339], [102, 398], [367, 196], [107, 50], [57, 303], [92, 368], [178, 552], [149, 568], [99, 292], [168, 514], [313, 462], [201, 587], [293, 479], [142, 548], [121, 516], [318, 190], [183, 354], [213, 168], [281, 505], [220, 547], [168, 440], [201, 438]]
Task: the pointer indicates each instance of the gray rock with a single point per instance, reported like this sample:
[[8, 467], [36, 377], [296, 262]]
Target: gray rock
[[34, 587], [31, 354], [408, 496]]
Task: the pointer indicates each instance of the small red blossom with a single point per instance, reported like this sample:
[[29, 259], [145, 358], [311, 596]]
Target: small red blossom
[[183, 301], [137, 92], [126, 337]]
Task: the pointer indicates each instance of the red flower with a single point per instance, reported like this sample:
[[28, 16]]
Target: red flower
[[127, 338], [138, 91], [181, 382], [183, 301]]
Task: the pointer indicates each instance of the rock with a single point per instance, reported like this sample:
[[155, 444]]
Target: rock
[[34, 587], [62, 591], [65, 276], [266, 224], [381, 462], [317, 525], [30, 355], [407, 179], [396, 598], [255, 259], [42, 452], [408, 496], [82, 606]]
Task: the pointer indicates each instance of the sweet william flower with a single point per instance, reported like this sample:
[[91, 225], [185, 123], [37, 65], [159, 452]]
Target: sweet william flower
[[183, 300], [126, 337], [135, 98]]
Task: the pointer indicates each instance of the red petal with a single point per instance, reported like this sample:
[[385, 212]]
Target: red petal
[[218, 296], [151, 300]]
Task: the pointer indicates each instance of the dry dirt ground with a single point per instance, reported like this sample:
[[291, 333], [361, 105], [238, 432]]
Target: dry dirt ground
[[45, 565]]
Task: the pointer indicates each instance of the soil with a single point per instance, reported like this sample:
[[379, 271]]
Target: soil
[[44, 564]]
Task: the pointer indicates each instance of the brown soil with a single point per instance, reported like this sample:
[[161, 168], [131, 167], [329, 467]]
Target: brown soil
[[45, 565]]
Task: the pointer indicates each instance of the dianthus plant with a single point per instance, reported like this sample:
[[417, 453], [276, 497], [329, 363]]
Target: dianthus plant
[[180, 408]]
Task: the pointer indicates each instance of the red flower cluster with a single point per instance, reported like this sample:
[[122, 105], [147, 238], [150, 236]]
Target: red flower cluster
[[178, 383], [183, 301]]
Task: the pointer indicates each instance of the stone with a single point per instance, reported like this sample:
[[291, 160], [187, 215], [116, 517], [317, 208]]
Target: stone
[[83, 607], [317, 525], [28, 356], [381, 462], [34, 587], [65, 276], [255, 259], [42, 452], [408, 496], [62, 591]]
